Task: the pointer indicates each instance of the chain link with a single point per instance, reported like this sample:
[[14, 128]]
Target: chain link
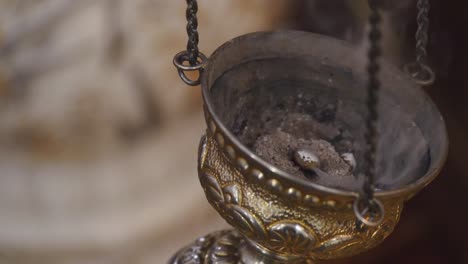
[[422, 32], [368, 210], [419, 70], [373, 87], [192, 55], [192, 31]]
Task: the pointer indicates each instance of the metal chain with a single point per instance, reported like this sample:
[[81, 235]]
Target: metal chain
[[192, 31], [373, 87], [419, 69], [192, 55], [367, 204], [422, 32]]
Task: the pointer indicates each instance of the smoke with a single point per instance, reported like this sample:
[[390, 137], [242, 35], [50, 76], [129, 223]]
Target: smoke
[[403, 152]]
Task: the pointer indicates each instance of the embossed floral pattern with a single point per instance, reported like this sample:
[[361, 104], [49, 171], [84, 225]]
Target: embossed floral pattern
[[289, 231], [291, 238], [228, 201]]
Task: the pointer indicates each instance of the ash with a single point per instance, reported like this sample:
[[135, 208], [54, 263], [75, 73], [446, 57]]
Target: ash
[[278, 148], [333, 130], [281, 132]]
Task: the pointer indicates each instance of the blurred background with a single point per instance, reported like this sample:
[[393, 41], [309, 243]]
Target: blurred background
[[98, 135]]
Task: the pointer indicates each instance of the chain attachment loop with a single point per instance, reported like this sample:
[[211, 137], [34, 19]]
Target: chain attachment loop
[[184, 56], [192, 55], [369, 212], [419, 70], [421, 73]]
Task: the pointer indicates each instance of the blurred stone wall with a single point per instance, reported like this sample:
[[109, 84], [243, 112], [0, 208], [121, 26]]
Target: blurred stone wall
[[98, 135]]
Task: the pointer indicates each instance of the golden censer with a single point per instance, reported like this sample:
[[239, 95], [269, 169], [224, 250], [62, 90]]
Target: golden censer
[[287, 113]]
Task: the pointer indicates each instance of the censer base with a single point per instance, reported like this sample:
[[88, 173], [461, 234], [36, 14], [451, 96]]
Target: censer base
[[228, 247]]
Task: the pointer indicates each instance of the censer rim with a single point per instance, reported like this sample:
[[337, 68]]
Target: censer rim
[[408, 190]]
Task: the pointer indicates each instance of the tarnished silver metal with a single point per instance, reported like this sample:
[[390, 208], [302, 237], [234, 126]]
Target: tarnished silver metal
[[278, 216], [192, 55], [306, 159], [419, 70], [229, 247], [421, 73], [183, 57], [372, 134]]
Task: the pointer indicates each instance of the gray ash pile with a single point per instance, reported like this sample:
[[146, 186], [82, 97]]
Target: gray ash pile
[[333, 169], [280, 134], [280, 122]]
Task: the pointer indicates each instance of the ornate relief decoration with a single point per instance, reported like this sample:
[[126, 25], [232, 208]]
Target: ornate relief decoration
[[291, 238], [294, 233], [220, 247]]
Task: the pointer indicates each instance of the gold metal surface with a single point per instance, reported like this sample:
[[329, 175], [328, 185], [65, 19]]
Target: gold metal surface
[[285, 220]]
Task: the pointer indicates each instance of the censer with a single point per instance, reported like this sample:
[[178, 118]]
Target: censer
[[291, 157]]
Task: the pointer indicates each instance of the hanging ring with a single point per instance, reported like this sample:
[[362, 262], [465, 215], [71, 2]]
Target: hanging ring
[[182, 57], [365, 216], [421, 73]]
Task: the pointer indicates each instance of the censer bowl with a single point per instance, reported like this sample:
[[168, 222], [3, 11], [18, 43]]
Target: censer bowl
[[288, 217]]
